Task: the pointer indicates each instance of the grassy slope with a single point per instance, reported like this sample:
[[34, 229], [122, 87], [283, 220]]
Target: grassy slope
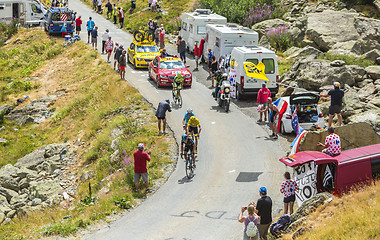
[[94, 104], [354, 216]]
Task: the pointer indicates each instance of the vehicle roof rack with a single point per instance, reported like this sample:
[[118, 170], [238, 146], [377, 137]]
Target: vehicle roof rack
[[203, 11]]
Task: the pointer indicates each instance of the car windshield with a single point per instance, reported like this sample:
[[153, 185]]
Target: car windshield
[[171, 65], [146, 49]]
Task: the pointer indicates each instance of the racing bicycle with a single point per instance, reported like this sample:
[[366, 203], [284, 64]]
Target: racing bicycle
[[189, 164], [142, 35], [177, 98]]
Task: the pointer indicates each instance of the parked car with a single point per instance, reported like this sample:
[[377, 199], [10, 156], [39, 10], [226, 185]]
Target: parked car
[[351, 167], [140, 54], [164, 70], [54, 20], [308, 112]]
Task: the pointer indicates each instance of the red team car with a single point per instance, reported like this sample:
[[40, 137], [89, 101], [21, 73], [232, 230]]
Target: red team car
[[164, 69]]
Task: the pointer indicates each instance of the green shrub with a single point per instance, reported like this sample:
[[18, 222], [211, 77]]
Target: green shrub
[[280, 38], [348, 59]]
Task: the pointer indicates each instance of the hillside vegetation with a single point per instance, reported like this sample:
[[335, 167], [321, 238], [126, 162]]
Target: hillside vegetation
[[93, 103]]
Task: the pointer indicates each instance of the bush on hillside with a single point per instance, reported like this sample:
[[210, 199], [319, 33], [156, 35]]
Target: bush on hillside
[[280, 38], [348, 59], [8, 30], [260, 13]]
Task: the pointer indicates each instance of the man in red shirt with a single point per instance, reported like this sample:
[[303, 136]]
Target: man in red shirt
[[78, 24], [197, 55], [262, 97], [141, 158]]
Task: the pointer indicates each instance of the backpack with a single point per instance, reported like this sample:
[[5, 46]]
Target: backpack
[[251, 229], [281, 225]]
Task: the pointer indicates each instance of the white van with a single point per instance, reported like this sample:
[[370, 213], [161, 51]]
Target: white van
[[245, 84], [30, 12], [222, 38], [193, 27]]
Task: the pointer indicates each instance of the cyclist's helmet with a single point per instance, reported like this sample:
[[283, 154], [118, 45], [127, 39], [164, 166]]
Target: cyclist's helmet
[[189, 110]]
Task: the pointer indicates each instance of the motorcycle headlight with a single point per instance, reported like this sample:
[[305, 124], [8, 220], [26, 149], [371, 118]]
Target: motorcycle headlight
[[227, 90]]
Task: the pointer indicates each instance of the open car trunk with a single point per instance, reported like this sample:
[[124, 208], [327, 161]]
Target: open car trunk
[[306, 105]]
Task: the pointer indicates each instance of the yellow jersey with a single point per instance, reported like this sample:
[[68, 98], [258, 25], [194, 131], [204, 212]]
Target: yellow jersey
[[193, 122]]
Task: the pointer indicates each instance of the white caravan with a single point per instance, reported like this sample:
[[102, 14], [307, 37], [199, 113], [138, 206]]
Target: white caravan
[[245, 84], [193, 27], [222, 38], [30, 12]]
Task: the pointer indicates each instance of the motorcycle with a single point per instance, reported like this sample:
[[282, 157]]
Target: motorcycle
[[224, 95]]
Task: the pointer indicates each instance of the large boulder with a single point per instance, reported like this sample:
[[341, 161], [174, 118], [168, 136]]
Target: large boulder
[[5, 109], [373, 72], [8, 177], [32, 160], [372, 55], [44, 189], [325, 28], [366, 91], [369, 31], [311, 74], [306, 51], [371, 116], [8, 193], [352, 135], [262, 27]]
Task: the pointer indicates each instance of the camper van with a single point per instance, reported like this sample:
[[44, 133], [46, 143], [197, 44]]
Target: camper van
[[350, 168], [193, 27], [222, 38], [30, 12], [245, 84]]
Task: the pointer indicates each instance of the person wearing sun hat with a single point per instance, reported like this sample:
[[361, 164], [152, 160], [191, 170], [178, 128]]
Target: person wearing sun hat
[[264, 210], [337, 95], [140, 170]]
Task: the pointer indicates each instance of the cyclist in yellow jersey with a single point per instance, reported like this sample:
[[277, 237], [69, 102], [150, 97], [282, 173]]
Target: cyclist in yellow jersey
[[192, 128]]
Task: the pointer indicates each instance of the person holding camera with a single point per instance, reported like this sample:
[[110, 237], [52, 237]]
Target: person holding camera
[[250, 222]]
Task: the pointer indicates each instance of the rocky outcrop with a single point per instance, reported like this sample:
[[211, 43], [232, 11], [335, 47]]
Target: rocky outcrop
[[37, 179], [352, 135], [36, 111]]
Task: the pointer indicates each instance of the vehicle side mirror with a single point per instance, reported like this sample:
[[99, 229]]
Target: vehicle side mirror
[[187, 66]]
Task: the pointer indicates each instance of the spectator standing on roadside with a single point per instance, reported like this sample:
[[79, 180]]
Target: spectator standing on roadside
[[210, 54], [64, 30], [337, 95], [115, 14], [78, 24], [140, 161], [161, 114], [116, 56], [94, 4], [121, 17], [123, 64], [264, 210], [94, 36], [252, 217], [109, 47], [150, 3], [151, 25], [181, 47], [90, 26], [157, 35], [105, 36], [197, 55], [133, 6], [332, 143], [289, 188], [214, 68], [154, 5], [109, 9], [100, 6], [273, 116], [162, 38], [262, 96]]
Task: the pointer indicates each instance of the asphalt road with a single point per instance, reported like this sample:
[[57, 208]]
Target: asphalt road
[[236, 157]]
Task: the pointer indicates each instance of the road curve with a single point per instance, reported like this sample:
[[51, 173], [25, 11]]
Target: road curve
[[232, 145]]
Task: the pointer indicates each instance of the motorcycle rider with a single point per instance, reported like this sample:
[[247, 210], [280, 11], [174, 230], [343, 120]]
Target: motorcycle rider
[[220, 78]]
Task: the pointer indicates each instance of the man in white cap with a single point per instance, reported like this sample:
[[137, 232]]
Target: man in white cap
[[336, 103], [140, 160]]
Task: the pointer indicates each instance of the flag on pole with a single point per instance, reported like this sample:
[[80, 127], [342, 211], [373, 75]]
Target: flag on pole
[[255, 71]]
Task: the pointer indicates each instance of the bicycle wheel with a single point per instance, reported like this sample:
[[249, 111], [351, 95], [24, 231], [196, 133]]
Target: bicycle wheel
[[138, 36], [174, 97], [150, 36], [180, 100], [189, 167]]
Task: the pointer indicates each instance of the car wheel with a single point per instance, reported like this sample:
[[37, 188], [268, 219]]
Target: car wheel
[[149, 76], [129, 61], [238, 94], [134, 64]]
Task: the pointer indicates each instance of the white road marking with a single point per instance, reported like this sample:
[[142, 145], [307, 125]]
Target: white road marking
[[213, 122], [232, 171]]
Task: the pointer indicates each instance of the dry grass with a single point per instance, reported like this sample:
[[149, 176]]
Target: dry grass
[[94, 102], [354, 216]]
